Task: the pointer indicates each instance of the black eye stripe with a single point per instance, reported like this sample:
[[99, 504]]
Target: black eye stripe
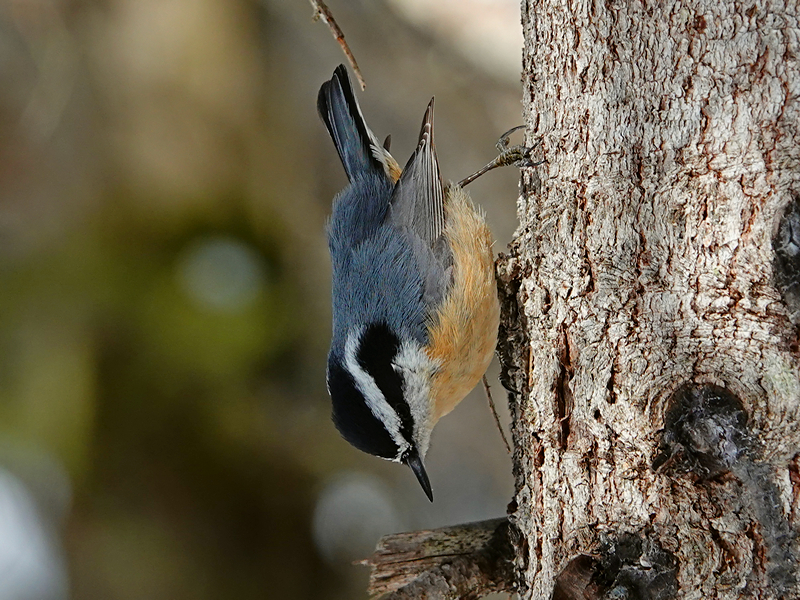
[[377, 349], [354, 419]]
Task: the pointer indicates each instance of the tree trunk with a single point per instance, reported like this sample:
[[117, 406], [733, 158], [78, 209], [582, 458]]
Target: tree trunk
[[651, 353], [651, 300]]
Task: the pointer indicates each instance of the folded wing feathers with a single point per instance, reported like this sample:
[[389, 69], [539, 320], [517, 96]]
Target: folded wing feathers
[[418, 197]]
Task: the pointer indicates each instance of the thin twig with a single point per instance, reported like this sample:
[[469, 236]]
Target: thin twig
[[321, 11], [494, 412]]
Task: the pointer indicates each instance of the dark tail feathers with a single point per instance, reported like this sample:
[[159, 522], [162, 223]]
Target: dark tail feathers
[[338, 108]]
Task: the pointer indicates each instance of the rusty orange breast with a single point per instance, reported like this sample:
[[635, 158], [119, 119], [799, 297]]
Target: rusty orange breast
[[463, 333]]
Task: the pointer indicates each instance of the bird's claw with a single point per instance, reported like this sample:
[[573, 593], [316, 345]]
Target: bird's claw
[[519, 156], [502, 143]]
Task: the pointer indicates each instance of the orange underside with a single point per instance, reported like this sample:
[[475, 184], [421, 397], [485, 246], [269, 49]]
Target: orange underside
[[464, 331]]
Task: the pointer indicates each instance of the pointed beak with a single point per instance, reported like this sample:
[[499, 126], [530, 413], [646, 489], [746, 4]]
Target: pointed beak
[[414, 461]]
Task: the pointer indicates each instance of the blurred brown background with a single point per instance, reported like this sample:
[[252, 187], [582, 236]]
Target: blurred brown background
[[164, 290]]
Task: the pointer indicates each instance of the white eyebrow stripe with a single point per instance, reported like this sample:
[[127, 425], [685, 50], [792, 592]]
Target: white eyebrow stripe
[[376, 401]]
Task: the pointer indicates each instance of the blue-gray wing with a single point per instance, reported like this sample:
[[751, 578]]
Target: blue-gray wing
[[417, 210]]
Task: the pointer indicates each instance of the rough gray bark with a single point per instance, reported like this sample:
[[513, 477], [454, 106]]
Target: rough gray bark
[[653, 359]]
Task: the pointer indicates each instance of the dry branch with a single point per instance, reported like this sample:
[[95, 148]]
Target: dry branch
[[465, 561]]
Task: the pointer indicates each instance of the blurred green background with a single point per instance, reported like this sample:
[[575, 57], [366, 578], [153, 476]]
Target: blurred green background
[[164, 299]]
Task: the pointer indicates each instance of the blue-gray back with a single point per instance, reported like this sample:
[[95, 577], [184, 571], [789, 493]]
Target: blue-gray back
[[377, 275]]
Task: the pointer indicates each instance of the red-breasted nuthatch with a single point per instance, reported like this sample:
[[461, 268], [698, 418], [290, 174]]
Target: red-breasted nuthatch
[[415, 307]]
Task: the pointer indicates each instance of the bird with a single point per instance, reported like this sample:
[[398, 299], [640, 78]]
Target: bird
[[415, 307]]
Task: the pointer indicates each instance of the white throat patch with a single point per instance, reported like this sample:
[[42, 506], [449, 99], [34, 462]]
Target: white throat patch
[[418, 369]]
